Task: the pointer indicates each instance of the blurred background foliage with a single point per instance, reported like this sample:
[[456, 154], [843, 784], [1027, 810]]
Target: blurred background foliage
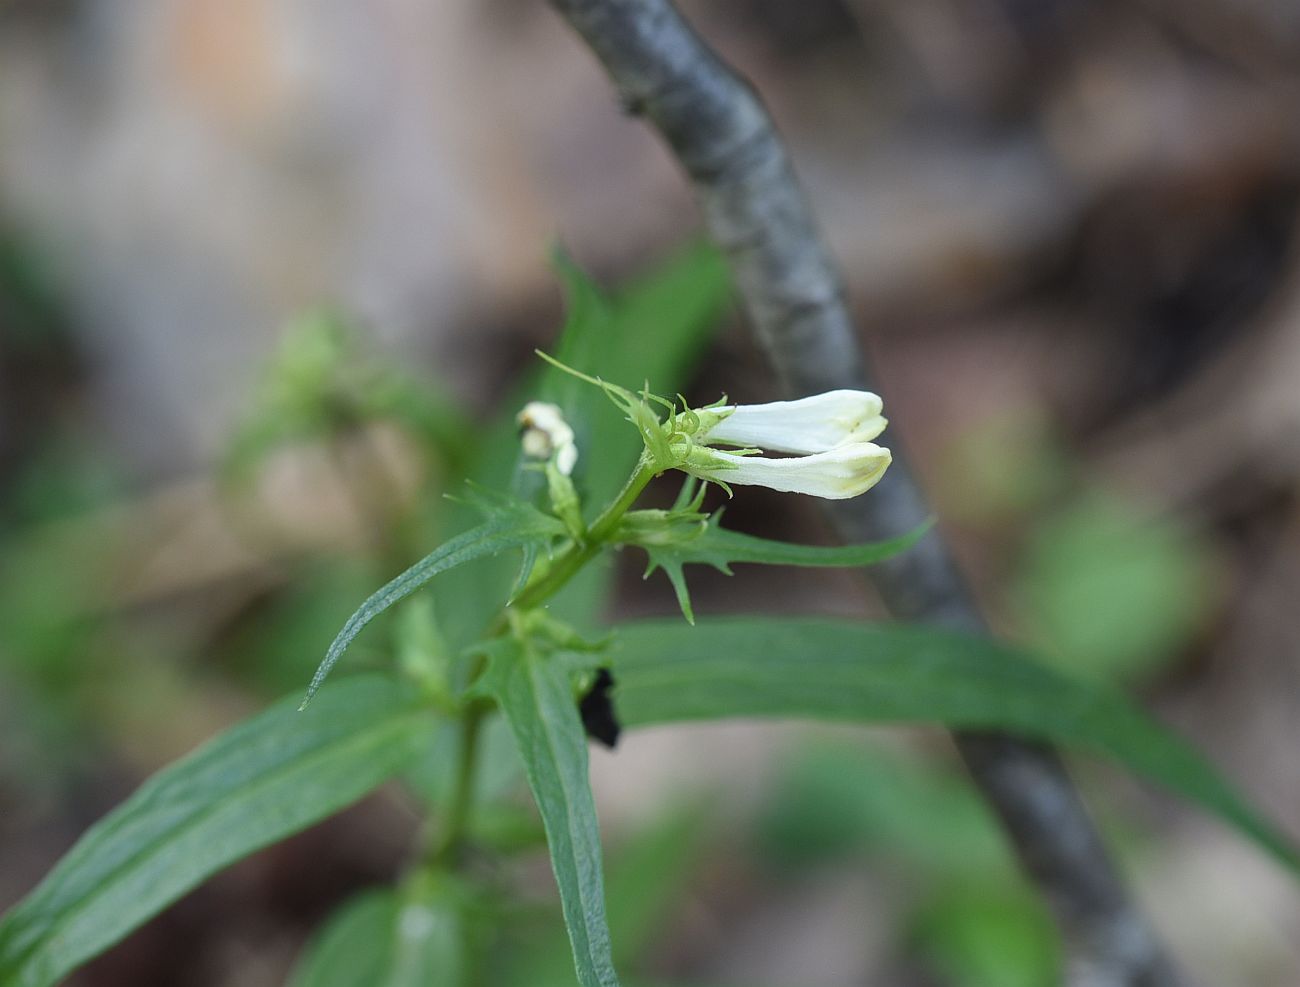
[[271, 275]]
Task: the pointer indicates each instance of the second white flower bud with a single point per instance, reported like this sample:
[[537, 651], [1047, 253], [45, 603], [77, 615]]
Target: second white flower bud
[[544, 434]]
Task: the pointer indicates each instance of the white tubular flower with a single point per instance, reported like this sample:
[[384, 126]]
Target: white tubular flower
[[809, 425], [835, 474], [544, 434], [828, 434]]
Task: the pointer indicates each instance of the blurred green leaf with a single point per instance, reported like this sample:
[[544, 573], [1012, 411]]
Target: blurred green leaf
[[667, 671], [1109, 594], [536, 697], [390, 938], [980, 936], [322, 381], [257, 783], [504, 828], [1001, 466], [302, 396], [433, 776], [355, 946], [66, 476], [831, 800], [31, 313], [648, 876], [47, 591]]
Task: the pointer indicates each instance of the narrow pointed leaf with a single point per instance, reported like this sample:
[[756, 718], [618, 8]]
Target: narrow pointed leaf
[[514, 526], [720, 548], [388, 938], [864, 673], [673, 570], [525, 568], [257, 783], [535, 695]]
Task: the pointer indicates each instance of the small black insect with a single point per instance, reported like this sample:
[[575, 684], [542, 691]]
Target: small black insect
[[597, 710]]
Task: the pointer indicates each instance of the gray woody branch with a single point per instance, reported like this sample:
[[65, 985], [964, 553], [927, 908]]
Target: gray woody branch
[[755, 210]]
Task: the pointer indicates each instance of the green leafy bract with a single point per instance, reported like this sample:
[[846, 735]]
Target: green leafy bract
[[510, 524], [840, 670], [257, 783], [708, 544], [535, 695]]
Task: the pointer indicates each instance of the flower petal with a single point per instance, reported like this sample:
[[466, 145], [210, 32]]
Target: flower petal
[[836, 474], [809, 425], [544, 434]]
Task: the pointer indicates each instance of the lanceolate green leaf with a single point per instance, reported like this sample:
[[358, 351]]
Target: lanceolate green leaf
[[721, 548], [511, 525], [839, 670], [259, 782], [535, 695]]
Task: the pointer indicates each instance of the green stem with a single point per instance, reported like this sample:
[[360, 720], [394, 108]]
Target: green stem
[[574, 558], [453, 835], [604, 525], [580, 553]]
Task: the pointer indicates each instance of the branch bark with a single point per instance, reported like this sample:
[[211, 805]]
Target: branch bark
[[755, 210]]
